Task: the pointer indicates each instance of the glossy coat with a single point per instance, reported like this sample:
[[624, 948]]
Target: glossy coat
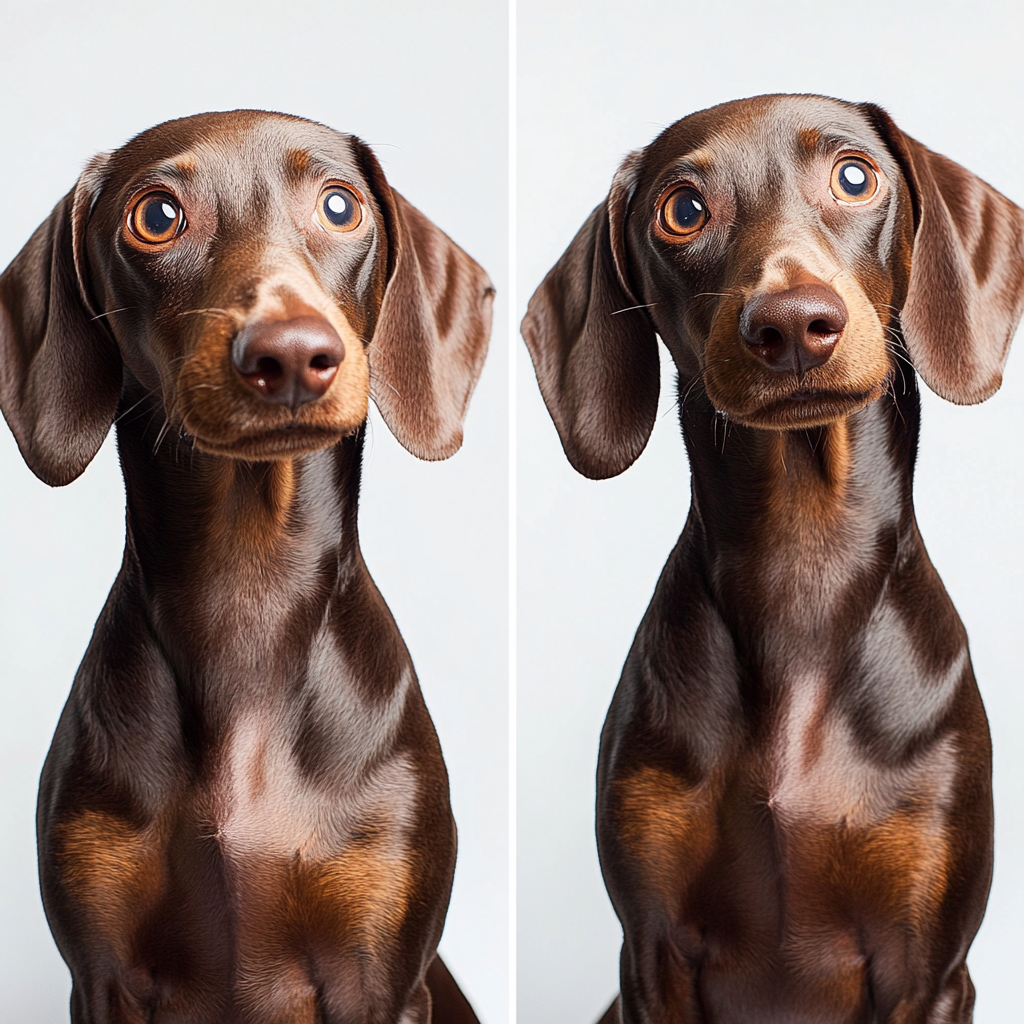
[[244, 814], [794, 810]]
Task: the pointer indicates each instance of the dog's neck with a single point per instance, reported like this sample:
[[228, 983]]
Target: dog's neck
[[235, 561], [786, 522]]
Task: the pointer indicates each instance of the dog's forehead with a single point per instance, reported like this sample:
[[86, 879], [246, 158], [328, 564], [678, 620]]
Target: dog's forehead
[[235, 153], [754, 136]]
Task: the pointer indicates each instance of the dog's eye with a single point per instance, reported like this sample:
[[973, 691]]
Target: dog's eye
[[338, 209], [684, 212], [156, 218], [853, 180]]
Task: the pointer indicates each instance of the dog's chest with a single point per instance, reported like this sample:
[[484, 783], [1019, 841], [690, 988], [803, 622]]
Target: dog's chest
[[817, 772], [831, 781]]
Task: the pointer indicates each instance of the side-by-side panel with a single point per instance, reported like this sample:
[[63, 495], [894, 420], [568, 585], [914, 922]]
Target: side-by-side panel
[[590, 91], [427, 89]]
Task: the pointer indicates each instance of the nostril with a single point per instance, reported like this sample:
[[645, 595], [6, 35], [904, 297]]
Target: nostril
[[823, 327], [323, 361], [770, 337], [793, 330], [267, 368]]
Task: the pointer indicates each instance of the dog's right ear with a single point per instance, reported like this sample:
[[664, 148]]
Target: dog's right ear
[[966, 291], [593, 347], [60, 371], [435, 322]]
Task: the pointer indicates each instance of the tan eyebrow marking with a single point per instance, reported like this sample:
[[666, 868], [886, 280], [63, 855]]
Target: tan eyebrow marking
[[809, 138], [185, 165], [296, 163], [700, 159]]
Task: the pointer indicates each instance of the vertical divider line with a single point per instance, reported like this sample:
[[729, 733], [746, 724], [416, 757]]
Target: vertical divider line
[[513, 334]]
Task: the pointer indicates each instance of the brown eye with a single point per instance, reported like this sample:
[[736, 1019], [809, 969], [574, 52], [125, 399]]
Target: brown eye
[[854, 180], [157, 218], [338, 209], [684, 212]]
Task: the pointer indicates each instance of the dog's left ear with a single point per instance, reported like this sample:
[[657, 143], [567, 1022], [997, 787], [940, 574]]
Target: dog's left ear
[[431, 337], [60, 370], [966, 290]]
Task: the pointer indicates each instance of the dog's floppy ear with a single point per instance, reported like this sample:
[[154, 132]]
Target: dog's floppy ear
[[594, 351], [966, 291], [60, 371], [431, 337]]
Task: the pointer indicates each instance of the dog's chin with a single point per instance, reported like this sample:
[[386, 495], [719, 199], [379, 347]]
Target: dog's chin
[[275, 445], [804, 408], [260, 432]]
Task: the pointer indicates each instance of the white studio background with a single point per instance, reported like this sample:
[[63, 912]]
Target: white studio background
[[597, 79], [427, 86]]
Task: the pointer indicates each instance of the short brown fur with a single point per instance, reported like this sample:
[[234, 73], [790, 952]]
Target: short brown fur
[[244, 815], [794, 792]]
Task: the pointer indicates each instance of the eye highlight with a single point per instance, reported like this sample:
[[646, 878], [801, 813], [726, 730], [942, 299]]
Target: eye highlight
[[683, 213], [157, 218], [338, 209], [853, 180]]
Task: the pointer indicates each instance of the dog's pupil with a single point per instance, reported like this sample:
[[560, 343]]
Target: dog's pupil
[[854, 179], [159, 216], [338, 209], [688, 210]]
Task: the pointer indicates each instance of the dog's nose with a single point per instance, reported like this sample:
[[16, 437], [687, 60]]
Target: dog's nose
[[794, 330], [290, 362]]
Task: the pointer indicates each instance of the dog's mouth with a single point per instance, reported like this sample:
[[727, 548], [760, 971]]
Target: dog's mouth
[[280, 442], [804, 406]]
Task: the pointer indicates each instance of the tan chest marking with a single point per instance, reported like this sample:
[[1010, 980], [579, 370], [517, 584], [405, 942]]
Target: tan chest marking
[[664, 824], [112, 869]]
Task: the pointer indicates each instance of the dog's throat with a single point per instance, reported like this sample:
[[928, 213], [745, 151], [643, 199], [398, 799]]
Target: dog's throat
[[239, 556], [789, 518]]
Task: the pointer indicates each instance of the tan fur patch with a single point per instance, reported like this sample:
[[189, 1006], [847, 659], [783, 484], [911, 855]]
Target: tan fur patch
[[111, 868], [373, 882], [809, 139], [186, 164], [664, 824], [296, 163], [907, 859]]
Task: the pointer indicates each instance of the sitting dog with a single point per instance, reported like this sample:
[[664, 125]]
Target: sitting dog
[[244, 814], [794, 787]]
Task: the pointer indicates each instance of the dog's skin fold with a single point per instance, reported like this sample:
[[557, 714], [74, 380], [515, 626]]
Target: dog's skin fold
[[244, 814], [794, 811]]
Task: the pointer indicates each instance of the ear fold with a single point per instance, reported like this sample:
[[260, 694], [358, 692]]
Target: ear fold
[[966, 291], [595, 353], [60, 372], [431, 337]]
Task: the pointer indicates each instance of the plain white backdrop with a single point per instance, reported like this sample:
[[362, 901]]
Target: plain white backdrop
[[427, 86], [597, 79]]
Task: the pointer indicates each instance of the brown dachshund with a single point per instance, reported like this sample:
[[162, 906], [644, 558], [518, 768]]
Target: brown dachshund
[[794, 789], [244, 815]]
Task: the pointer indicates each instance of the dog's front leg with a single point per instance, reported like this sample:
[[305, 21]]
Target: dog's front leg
[[650, 841], [659, 982], [954, 1004], [102, 998]]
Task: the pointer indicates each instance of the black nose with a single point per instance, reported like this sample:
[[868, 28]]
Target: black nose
[[794, 330], [290, 362]]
